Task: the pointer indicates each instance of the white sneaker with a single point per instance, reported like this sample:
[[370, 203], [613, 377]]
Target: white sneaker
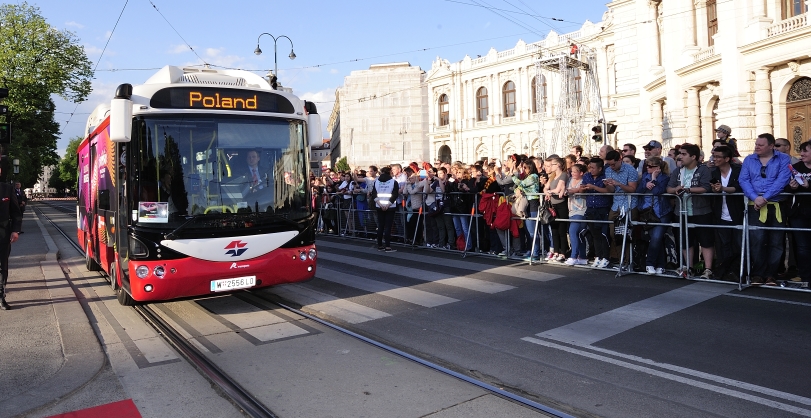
[[596, 262], [650, 270], [581, 262], [604, 263], [570, 262], [660, 270], [551, 255]]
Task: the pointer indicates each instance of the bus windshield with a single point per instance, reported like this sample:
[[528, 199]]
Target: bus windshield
[[189, 165]]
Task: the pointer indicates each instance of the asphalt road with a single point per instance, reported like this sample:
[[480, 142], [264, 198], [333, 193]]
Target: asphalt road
[[582, 340]]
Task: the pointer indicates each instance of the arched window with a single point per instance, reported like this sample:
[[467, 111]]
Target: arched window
[[508, 97], [481, 104], [535, 97], [444, 120]]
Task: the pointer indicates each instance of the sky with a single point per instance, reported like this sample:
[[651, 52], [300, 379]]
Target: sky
[[129, 40]]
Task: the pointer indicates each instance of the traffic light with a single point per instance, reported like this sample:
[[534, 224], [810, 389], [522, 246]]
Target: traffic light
[[5, 133], [3, 110], [598, 133]]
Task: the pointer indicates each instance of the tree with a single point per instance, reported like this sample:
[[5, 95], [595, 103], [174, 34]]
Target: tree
[[58, 183], [69, 164], [36, 62], [342, 165]]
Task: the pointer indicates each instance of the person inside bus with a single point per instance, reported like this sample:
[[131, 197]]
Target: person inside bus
[[165, 191], [255, 174]]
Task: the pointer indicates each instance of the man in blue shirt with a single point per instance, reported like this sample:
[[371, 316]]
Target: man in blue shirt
[[597, 207], [764, 174], [620, 178]]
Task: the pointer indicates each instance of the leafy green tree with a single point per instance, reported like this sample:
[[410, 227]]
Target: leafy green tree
[[69, 164], [342, 165], [57, 182], [36, 62]]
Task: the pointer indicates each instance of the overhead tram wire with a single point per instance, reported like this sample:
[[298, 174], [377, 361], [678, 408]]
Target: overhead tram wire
[[521, 24], [178, 33], [534, 17], [514, 12], [101, 55]]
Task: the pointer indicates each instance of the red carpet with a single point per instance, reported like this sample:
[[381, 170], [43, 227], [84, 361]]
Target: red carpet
[[120, 409]]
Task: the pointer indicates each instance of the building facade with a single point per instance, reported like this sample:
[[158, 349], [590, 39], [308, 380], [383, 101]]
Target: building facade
[[380, 116], [670, 71]]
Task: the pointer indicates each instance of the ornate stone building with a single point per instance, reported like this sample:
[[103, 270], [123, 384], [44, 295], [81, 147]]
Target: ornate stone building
[[668, 70]]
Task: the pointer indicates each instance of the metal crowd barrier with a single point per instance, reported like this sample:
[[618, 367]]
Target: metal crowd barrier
[[366, 219]]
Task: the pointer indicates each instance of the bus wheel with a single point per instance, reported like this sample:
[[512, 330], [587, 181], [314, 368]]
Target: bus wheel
[[90, 263], [113, 276], [124, 298]]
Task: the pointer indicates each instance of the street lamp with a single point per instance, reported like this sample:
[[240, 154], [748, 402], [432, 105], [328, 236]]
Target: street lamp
[[16, 164], [258, 51]]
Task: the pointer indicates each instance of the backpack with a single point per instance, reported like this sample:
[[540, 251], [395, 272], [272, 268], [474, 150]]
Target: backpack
[[503, 215]]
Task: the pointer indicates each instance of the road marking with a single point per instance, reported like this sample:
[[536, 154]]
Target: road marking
[[345, 310], [465, 264], [695, 383], [419, 274], [417, 297], [599, 327], [258, 323], [790, 302]]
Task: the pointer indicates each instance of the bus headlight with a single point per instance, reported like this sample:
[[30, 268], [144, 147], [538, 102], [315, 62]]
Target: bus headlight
[[142, 272], [312, 254], [302, 256], [159, 271]]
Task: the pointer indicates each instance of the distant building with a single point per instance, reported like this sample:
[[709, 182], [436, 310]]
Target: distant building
[[319, 156], [381, 116], [41, 186]]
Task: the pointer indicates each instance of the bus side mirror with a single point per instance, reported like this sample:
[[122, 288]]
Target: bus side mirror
[[121, 114], [314, 130]]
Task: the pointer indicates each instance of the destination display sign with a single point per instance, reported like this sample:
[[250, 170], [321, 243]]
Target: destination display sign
[[213, 98]]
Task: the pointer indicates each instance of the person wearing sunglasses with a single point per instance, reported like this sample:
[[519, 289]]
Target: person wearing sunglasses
[[764, 175]]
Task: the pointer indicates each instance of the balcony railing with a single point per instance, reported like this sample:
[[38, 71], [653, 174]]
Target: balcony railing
[[704, 54], [787, 25]]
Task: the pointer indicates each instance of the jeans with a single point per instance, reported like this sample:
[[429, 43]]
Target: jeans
[[576, 237], [765, 247], [461, 224], [802, 243], [656, 247]]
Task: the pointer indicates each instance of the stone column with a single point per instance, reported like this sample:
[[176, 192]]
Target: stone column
[[702, 33], [758, 25], [693, 116], [689, 31], [763, 101], [655, 53], [656, 116]]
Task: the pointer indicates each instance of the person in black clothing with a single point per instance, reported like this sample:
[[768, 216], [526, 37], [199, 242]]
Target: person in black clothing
[[22, 199], [800, 214], [12, 219], [384, 193], [727, 211]]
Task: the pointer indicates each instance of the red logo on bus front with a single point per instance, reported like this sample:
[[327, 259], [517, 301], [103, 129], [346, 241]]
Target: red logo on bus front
[[236, 248]]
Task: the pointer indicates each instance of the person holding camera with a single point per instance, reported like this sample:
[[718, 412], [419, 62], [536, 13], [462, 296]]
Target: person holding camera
[[690, 182]]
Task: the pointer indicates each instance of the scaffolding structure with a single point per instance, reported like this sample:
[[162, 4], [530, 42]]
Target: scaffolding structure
[[579, 104]]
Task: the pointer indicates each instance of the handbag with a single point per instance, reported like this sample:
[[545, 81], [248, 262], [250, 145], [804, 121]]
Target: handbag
[[520, 206], [648, 215], [545, 213]]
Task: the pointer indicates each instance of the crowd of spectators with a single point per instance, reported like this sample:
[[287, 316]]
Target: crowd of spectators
[[685, 209]]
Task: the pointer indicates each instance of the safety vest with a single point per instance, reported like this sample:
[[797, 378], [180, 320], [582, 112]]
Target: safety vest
[[383, 199]]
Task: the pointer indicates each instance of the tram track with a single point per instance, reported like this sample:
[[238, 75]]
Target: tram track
[[229, 387], [246, 401]]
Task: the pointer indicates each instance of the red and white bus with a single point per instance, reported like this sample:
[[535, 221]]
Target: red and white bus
[[196, 182]]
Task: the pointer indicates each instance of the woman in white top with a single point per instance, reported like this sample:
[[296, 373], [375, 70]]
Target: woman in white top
[[577, 210]]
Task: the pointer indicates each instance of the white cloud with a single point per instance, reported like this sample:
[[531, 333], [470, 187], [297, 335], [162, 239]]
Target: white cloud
[[74, 24], [92, 50], [178, 49], [333, 71], [215, 56], [107, 35], [325, 101]]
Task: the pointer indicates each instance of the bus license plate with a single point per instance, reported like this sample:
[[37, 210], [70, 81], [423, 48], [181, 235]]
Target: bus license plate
[[231, 284]]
